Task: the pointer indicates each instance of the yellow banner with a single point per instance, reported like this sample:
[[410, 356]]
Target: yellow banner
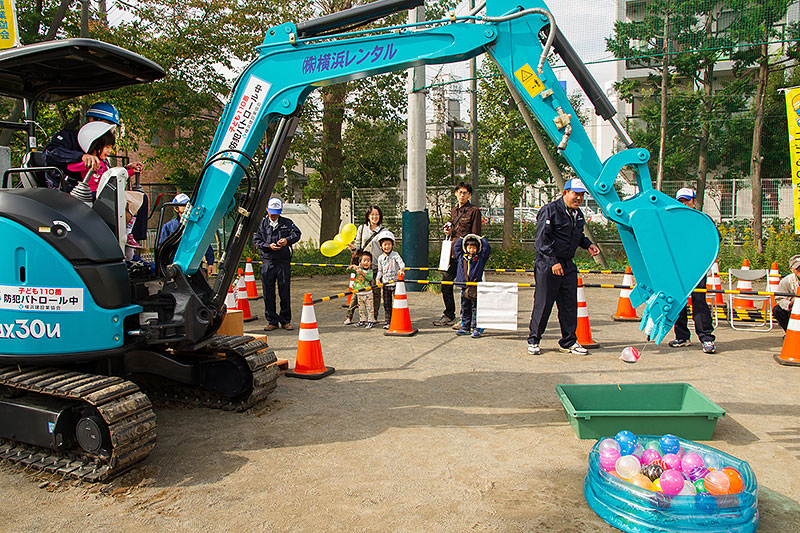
[[793, 114], [9, 35]]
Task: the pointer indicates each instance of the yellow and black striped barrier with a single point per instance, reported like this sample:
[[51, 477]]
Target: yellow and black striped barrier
[[425, 269]]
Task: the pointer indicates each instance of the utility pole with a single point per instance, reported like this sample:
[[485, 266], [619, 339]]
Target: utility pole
[[473, 109], [415, 217], [84, 18]]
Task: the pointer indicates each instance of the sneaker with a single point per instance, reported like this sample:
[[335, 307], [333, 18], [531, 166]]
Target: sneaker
[[361, 324], [476, 334], [386, 326], [347, 321], [679, 343], [444, 321], [708, 347], [481, 330], [462, 332], [457, 325], [370, 325], [534, 349], [576, 348]]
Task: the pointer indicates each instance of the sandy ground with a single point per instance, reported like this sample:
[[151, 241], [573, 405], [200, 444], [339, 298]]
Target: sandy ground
[[429, 433]]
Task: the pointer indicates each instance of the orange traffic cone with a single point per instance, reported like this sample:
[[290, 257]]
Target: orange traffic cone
[[773, 279], [350, 288], [309, 363], [744, 285], [244, 303], [584, 330], [625, 311], [250, 281], [230, 299], [714, 282], [401, 318], [790, 353]]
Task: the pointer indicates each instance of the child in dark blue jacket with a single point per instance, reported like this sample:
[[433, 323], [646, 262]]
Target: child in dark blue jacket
[[471, 252]]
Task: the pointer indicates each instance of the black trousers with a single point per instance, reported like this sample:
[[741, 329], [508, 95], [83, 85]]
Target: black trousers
[[280, 274], [561, 290], [701, 314], [388, 302], [781, 316], [447, 290]]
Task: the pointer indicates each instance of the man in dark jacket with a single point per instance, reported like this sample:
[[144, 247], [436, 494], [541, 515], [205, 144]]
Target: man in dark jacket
[[274, 238], [559, 232], [465, 218]]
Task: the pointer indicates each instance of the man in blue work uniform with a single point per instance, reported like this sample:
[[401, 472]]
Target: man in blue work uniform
[[559, 232], [169, 227], [274, 238], [701, 314]]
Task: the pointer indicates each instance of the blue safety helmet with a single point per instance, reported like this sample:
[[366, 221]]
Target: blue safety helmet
[[104, 111]]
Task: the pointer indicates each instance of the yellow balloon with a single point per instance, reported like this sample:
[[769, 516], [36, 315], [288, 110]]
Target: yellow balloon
[[349, 232], [339, 239], [330, 248]]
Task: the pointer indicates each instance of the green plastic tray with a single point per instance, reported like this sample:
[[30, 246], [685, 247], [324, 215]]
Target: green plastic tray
[[596, 411]]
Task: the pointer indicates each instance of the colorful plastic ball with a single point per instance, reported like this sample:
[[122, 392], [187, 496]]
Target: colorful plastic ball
[[638, 451], [698, 472], [688, 489], [613, 473], [653, 445], [672, 461], [712, 460], [627, 442], [735, 479], [700, 485], [652, 471], [717, 483], [650, 455], [681, 452], [669, 444], [641, 481], [608, 458], [657, 485], [661, 463], [690, 461], [628, 466], [705, 502], [671, 482], [608, 443]]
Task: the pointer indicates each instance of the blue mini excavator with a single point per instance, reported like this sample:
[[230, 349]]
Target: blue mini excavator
[[81, 331]]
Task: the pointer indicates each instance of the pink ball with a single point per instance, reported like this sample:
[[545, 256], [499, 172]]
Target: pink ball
[[608, 458], [672, 461], [648, 456], [671, 482], [690, 461]]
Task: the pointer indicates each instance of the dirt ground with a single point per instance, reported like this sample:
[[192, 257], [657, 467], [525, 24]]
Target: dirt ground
[[429, 433]]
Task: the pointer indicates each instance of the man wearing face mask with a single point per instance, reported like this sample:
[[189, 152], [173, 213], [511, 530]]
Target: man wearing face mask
[[559, 232]]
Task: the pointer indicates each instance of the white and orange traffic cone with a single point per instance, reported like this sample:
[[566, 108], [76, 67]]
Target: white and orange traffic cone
[[230, 299], [250, 281], [625, 311], [401, 318], [715, 284], [584, 329], [243, 303], [350, 289], [790, 353], [309, 363], [744, 285], [773, 279]]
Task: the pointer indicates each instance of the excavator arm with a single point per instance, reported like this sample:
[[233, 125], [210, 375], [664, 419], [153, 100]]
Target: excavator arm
[[294, 60]]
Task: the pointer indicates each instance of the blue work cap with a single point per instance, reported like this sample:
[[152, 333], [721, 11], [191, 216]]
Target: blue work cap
[[574, 184]]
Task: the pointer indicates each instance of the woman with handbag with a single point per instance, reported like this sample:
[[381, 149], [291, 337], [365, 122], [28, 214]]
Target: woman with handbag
[[366, 241]]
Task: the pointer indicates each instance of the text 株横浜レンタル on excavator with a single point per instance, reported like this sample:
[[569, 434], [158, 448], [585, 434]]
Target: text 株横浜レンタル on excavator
[[163, 323]]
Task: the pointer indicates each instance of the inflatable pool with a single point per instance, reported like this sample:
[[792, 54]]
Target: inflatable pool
[[630, 508]]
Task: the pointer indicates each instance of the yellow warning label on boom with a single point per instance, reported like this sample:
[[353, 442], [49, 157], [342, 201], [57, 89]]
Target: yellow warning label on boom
[[529, 80]]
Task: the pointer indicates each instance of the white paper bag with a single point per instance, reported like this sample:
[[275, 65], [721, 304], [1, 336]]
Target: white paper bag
[[444, 258], [497, 305]]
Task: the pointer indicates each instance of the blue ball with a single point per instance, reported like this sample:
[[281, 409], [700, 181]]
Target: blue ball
[[669, 444], [627, 442]]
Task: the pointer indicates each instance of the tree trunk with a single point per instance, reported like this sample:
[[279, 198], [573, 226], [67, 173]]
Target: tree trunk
[[58, 18], [756, 157], [664, 84], [508, 213], [331, 168], [702, 161]]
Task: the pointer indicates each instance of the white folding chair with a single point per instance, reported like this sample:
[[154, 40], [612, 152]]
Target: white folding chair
[[752, 325]]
